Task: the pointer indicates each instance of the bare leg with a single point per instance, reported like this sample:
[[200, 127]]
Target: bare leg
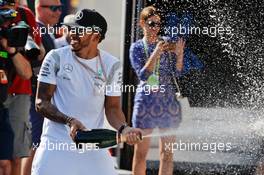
[[16, 166], [260, 168], [5, 167], [166, 156], [140, 154], [27, 163]]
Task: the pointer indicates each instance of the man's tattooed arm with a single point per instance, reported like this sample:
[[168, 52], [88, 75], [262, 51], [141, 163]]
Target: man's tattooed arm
[[45, 92]]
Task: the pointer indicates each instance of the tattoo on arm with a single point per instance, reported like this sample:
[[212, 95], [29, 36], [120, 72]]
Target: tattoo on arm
[[45, 92], [114, 112]]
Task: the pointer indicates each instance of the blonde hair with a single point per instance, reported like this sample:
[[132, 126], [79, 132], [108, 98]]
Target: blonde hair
[[148, 12]]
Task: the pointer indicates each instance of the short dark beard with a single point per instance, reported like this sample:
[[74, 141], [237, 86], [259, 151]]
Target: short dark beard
[[75, 50]]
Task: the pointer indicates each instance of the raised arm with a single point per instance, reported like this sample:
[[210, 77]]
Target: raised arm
[[143, 66], [21, 64]]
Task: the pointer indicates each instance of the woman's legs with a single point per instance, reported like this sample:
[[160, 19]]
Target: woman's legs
[[140, 154], [166, 155], [26, 170], [5, 167]]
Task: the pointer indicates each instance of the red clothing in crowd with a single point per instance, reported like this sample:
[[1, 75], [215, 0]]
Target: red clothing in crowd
[[19, 85]]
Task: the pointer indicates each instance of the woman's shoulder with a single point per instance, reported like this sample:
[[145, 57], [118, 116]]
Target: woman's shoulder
[[137, 44]]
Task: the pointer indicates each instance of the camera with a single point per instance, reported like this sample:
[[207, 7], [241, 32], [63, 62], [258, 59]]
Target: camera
[[32, 50], [167, 39], [170, 40], [16, 35]]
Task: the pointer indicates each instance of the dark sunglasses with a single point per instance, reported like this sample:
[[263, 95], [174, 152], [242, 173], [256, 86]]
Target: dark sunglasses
[[53, 8], [153, 24]]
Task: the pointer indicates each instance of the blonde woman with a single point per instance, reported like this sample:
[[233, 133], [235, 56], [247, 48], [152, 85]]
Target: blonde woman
[[155, 62]]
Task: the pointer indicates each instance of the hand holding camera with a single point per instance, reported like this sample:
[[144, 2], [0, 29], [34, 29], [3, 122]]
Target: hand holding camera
[[175, 46], [178, 47], [161, 47], [10, 50]]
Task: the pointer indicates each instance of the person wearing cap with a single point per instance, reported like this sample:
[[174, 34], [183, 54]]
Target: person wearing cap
[[64, 40], [19, 91], [77, 85], [10, 64], [47, 15]]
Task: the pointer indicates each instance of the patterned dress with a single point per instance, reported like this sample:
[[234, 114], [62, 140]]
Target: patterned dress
[[158, 108]]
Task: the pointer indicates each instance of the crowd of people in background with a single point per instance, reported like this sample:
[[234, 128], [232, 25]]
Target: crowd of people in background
[[21, 125], [25, 122]]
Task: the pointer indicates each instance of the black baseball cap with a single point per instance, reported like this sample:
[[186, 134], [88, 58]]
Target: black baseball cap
[[89, 18]]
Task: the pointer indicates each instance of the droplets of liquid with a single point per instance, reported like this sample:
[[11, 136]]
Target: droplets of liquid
[[234, 68]]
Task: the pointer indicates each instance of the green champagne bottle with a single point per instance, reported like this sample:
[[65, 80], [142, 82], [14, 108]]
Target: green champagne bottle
[[102, 137]]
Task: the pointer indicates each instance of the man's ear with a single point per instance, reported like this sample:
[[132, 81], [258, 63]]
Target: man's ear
[[96, 37]]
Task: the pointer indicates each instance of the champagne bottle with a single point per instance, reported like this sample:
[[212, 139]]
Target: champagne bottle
[[102, 137]]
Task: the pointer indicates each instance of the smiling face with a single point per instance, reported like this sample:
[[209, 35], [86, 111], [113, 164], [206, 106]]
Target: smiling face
[[83, 40], [49, 11], [151, 26]]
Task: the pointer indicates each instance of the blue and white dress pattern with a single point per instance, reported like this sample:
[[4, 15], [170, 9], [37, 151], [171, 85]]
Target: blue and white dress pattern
[[158, 109]]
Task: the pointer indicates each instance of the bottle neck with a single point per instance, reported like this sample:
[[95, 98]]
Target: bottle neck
[[120, 138]]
